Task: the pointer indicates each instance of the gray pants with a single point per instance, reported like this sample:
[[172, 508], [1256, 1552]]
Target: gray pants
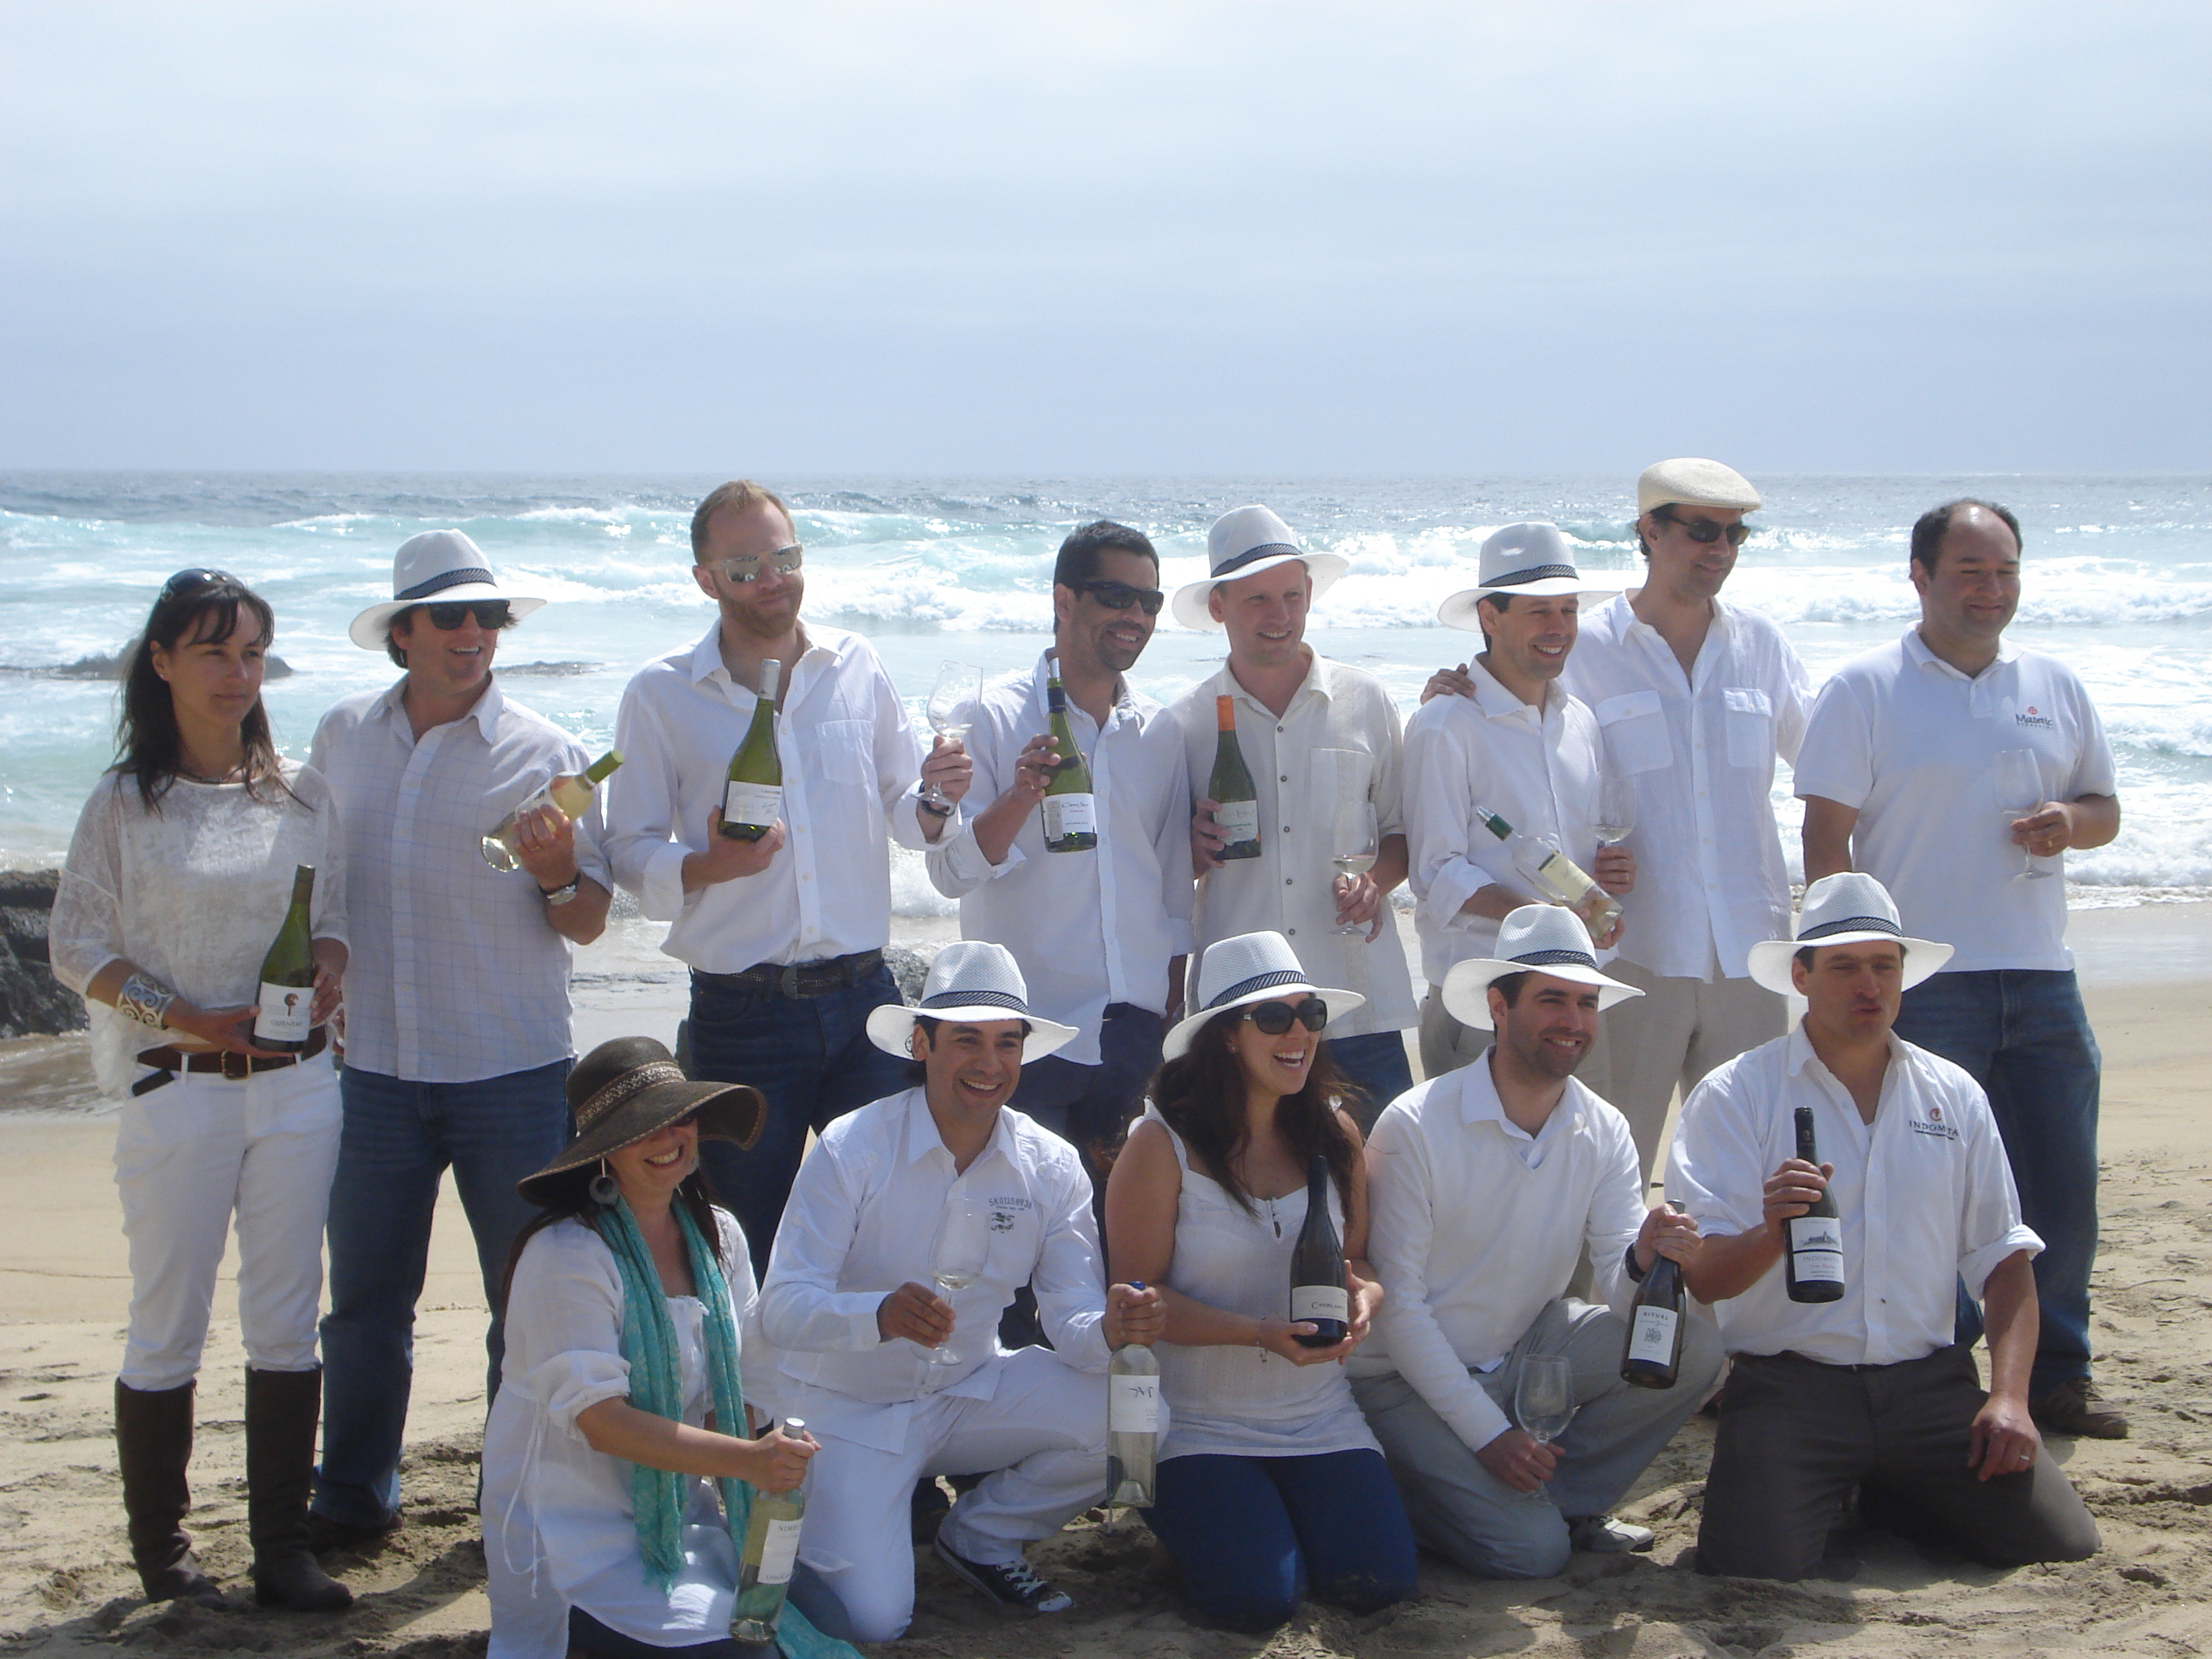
[[1674, 1033], [1447, 1045], [1462, 1511]]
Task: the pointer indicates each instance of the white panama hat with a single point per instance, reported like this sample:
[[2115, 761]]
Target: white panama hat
[[1531, 558], [440, 565], [1536, 939], [969, 983], [1690, 481], [1847, 908], [1246, 969], [1242, 543]]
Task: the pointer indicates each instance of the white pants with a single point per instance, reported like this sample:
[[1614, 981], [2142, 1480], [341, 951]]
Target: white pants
[[189, 1155], [1674, 1033], [1043, 1433]]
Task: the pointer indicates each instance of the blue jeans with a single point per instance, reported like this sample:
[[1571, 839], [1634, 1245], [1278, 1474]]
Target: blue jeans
[[1375, 1064], [2024, 1036], [1252, 1535], [812, 1059], [399, 1138], [1092, 1106]]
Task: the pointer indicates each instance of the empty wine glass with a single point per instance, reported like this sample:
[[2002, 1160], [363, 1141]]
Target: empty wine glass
[[1544, 1401], [958, 1257], [1616, 807], [1356, 843], [953, 703], [2017, 777]]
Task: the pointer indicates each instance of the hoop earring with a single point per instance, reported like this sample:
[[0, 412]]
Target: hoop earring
[[603, 1191]]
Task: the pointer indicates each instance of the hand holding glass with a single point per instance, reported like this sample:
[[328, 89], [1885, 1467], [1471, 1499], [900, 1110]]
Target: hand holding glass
[[956, 1260], [2017, 777], [1357, 844], [952, 704], [1616, 807], [1544, 1401]]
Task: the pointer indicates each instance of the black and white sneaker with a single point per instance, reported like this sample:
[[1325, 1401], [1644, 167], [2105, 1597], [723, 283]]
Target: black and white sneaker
[[1014, 1586]]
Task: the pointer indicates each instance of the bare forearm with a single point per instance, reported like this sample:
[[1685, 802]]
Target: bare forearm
[[584, 917], [1391, 863], [2013, 1322], [1492, 902], [1827, 836], [2095, 821], [1201, 1325], [1728, 1264], [617, 1429], [997, 825]]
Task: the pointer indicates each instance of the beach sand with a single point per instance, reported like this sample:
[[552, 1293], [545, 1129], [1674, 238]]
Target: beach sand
[[66, 1587]]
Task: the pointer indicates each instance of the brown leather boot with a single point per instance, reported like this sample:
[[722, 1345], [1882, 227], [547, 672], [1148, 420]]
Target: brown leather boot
[[154, 1444], [281, 1410]]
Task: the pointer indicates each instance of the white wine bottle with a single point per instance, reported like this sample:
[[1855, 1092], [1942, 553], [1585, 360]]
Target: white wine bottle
[[572, 797], [1653, 1358], [288, 975], [771, 1554], [752, 799], [1554, 874], [1133, 1424], [1318, 1292], [1814, 1263], [1070, 811], [1236, 803]]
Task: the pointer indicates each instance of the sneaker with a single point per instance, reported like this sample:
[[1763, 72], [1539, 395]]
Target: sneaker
[[1600, 1534], [1014, 1585], [2074, 1408]]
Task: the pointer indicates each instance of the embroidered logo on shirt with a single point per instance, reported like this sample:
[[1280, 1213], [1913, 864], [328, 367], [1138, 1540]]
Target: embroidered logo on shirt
[[1003, 1212], [2030, 717], [1934, 1125]]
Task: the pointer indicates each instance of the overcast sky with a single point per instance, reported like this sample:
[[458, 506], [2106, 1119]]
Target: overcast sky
[[1153, 238]]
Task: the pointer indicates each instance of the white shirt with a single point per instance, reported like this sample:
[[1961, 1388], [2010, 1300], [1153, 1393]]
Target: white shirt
[[1537, 771], [1912, 743], [851, 770], [1337, 740], [1052, 909], [861, 1222], [1477, 1226], [1711, 880], [456, 974], [1924, 1194]]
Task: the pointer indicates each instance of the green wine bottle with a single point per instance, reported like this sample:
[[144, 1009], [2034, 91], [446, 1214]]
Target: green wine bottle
[[288, 975], [1070, 811], [1236, 803], [753, 799]]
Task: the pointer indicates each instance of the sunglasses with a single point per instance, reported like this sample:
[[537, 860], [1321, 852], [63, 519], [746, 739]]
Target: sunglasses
[[1706, 531], [185, 581], [1276, 1017], [489, 613], [748, 567], [1119, 596]]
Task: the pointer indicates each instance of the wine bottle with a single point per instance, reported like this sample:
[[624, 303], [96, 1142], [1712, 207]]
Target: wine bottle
[[1236, 804], [1070, 811], [572, 796], [1653, 1354], [1554, 874], [1133, 1424], [771, 1553], [1814, 1260], [1317, 1283], [752, 800], [288, 975]]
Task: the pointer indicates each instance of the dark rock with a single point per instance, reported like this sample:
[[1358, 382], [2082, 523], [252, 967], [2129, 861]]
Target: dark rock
[[910, 967], [101, 666], [33, 1002]]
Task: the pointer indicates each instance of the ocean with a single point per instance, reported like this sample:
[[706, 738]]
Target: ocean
[[2117, 582]]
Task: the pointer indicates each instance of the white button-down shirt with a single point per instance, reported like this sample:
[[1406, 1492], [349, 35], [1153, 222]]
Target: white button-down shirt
[[861, 1222], [1476, 1227], [1710, 881], [1539, 771], [1338, 741], [1910, 742], [1924, 1193], [456, 974], [1088, 929], [851, 771]]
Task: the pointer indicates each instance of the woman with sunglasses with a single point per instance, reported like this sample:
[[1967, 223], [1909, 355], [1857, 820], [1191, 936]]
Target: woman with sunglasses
[[1270, 1482], [178, 877]]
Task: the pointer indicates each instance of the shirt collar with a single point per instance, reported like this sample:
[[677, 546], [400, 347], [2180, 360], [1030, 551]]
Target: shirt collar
[[706, 655], [1496, 701], [1315, 685], [1801, 1053], [1122, 701], [485, 711], [1478, 1102], [1917, 648], [923, 1139]]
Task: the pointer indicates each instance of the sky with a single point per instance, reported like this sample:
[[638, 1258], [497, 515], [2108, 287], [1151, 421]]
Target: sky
[[1177, 239]]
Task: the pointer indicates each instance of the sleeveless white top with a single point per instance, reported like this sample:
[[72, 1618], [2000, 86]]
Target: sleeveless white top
[[1246, 1402]]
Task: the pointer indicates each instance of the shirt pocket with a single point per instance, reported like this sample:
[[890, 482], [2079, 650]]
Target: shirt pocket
[[1748, 720], [848, 757], [1635, 726]]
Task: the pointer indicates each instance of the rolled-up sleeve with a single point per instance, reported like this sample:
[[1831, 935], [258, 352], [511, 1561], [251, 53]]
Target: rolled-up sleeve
[[956, 863], [643, 844], [801, 1308], [566, 1303], [1990, 1225], [1713, 1168]]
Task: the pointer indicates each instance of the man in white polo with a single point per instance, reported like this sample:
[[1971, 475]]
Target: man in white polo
[[1322, 743]]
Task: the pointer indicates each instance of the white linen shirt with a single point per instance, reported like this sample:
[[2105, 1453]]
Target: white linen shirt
[[1911, 743], [1339, 739], [1924, 1194], [1087, 929], [852, 768], [456, 974], [861, 1222], [1476, 1227], [1537, 771], [1710, 879]]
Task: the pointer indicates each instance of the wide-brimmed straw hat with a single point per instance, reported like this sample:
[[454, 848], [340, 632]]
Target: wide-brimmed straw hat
[[1847, 908], [1242, 543], [969, 983], [1247, 969], [1541, 939], [443, 565], [628, 1088], [1692, 481], [1530, 558]]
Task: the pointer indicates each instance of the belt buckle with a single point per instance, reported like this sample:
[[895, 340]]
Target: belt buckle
[[236, 1067], [788, 982]]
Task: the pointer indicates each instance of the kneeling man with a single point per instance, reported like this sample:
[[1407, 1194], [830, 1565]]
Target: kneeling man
[[863, 1333], [1869, 1390], [1485, 1185]]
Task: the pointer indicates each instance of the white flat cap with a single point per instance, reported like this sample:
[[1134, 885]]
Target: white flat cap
[[1690, 482]]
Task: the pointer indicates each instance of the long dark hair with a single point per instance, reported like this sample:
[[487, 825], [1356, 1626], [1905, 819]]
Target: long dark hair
[[195, 607], [1200, 1093], [572, 1202]]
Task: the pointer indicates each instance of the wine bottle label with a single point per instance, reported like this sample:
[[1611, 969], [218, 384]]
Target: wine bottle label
[[1320, 1302], [751, 803], [1558, 874], [1133, 1405], [1070, 815], [1239, 820], [778, 1550], [284, 1016], [1652, 1336], [1816, 1248]]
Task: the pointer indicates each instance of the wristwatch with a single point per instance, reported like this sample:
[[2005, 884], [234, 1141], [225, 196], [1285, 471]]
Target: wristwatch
[[566, 893]]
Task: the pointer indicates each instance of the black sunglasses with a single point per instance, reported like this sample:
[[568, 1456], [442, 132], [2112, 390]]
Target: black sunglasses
[[489, 613], [1276, 1017], [185, 580], [1706, 531], [1119, 596]]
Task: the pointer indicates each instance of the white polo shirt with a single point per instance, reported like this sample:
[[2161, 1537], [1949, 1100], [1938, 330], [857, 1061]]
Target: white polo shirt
[[1710, 881], [1923, 1191], [1910, 742]]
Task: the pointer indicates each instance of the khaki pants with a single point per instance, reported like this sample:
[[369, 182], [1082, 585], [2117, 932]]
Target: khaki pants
[[1674, 1033], [1447, 1045]]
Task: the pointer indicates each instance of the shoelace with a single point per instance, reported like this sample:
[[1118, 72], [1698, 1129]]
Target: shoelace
[[1022, 1580]]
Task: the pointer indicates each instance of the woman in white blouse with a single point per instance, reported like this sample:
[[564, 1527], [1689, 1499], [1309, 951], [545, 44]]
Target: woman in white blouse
[[178, 877], [1270, 1483]]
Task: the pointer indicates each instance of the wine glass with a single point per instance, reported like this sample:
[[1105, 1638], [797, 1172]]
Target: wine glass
[[1544, 1401], [2018, 775], [1616, 807], [958, 1257], [951, 709], [1357, 840]]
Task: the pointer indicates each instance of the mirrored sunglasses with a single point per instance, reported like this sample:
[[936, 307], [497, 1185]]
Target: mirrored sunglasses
[[1275, 1018], [1119, 596], [784, 560], [489, 613]]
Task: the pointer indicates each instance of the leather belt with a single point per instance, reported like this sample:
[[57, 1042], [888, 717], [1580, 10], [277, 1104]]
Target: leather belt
[[802, 979], [169, 1061]]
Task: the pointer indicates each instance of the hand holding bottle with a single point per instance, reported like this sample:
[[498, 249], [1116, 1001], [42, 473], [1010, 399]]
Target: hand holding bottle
[[1794, 1187], [1615, 869], [776, 1462], [545, 844], [725, 858], [1287, 1339], [1208, 838], [1134, 1312], [1666, 1232]]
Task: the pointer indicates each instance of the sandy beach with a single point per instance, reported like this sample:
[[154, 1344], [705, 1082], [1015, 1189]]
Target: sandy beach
[[66, 1587]]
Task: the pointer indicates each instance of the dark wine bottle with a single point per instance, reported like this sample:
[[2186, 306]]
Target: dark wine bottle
[[1070, 811], [1236, 803], [1317, 1283], [752, 795], [288, 975], [1814, 1259], [1654, 1352]]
